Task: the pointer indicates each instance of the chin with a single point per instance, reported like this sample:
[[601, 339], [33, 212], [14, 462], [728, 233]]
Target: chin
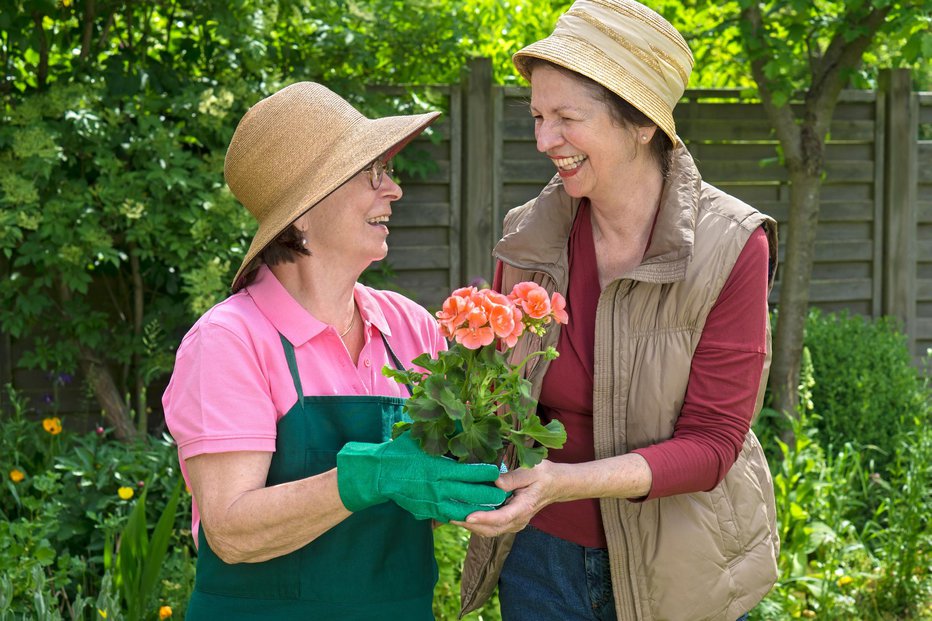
[[573, 189]]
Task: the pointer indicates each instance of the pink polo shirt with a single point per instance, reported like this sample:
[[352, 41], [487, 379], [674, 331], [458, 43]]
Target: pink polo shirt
[[231, 382]]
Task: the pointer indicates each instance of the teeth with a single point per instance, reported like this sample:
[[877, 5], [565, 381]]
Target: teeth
[[378, 220], [569, 163]]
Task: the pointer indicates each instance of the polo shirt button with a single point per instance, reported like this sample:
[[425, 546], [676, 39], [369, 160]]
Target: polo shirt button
[[367, 363]]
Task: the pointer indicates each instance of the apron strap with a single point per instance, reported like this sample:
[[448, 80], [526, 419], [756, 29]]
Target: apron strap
[[395, 360], [293, 367], [293, 364]]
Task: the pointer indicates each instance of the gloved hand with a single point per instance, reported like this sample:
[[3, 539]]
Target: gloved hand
[[426, 486]]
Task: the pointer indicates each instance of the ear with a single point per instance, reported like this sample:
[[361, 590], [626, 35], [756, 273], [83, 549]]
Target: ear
[[646, 133], [302, 223]]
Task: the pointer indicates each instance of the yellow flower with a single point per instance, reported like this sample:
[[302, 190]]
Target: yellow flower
[[102, 613], [52, 425], [165, 612], [845, 580], [125, 493], [16, 475]]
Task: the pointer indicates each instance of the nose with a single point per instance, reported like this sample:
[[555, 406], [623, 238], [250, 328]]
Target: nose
[[548, 135], [390, 188]]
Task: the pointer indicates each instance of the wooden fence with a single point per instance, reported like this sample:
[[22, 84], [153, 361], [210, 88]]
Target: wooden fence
[[874, 244]]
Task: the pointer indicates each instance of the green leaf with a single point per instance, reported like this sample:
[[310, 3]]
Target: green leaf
[[479, 442], [439, 390], [403, 377], [528, 457], [432, 434], [551, 435], [399, 428], [423, 408], [158, 546]]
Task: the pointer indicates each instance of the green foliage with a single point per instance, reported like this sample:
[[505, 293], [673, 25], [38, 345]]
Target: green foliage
[[114, 118], [796, 34], [55, 522], [866, 385], [854, 544], [450, 549], [471, 402], [138, 559]]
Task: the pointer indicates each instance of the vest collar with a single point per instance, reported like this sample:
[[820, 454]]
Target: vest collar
[[538, 237]]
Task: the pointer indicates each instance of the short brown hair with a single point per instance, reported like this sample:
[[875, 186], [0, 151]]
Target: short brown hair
[[286, 248]]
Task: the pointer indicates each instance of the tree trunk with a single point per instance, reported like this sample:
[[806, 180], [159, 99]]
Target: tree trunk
[[114, 407], [101, 381], [139, 386], [90, 12], [796, 274], [42, 71]]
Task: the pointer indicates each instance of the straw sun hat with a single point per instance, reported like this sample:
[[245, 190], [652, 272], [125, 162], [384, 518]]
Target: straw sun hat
[[624, 46], [295, 147]]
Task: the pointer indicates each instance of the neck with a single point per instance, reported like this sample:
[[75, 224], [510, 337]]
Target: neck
[[625, 213], [327, 294]]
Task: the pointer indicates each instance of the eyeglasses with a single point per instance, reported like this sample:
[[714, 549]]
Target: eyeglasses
[[375, 171]]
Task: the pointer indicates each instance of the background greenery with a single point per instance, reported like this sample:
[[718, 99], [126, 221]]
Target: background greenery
[[854, 511], [116, 231]]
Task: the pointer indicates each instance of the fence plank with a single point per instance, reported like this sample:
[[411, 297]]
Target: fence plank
[[902, 131], [479, 152]]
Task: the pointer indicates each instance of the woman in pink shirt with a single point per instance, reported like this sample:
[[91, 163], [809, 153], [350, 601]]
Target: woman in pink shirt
[[302, 507]]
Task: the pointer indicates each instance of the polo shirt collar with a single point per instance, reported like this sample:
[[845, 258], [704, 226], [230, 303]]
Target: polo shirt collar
[[293, 321]]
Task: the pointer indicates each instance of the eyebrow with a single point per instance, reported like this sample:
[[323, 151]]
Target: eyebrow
[[561, 109]]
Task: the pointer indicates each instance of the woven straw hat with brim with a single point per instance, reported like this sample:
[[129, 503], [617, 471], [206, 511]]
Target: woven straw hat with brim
[[624, 46], [293, 148]]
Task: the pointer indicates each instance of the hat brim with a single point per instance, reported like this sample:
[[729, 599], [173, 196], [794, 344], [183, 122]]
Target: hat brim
[[588, 60], [364, 141]]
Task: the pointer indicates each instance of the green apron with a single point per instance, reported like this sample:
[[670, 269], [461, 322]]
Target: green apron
[[377, 564]]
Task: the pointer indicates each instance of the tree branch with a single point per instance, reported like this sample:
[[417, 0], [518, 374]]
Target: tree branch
[[42, 72], [90, 13], [781, 117], [841, 56], [105, 34], [138, 315]]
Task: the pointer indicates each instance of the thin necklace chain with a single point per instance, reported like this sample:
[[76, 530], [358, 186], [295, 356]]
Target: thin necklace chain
[[351, 323]]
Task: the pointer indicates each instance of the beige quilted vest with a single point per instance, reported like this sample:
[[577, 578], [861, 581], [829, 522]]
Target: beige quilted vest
[[692, 557]]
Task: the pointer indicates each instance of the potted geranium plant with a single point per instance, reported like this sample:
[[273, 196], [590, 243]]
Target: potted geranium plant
[[470, 402]]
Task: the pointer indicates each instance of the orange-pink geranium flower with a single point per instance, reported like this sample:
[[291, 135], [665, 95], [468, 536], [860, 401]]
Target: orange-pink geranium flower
[[534, 299], [474, 338], [502, 320], [476, 317], [558, 308], [511, 339], [484, 324], [454, 313]]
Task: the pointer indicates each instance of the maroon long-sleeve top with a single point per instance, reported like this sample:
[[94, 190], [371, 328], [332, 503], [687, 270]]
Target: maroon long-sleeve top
[[720, 396]]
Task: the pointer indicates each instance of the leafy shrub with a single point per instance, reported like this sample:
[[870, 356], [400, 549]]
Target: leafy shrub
[[64, 496], [450, 549], [854, 543], [866, 385]]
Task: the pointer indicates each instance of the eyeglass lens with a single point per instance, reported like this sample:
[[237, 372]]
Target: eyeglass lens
[[376, 171]]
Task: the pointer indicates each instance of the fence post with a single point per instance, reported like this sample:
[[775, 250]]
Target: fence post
[[900, 210], [478, 154]]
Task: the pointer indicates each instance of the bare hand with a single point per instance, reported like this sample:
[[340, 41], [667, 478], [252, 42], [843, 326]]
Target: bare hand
[[533, 489]]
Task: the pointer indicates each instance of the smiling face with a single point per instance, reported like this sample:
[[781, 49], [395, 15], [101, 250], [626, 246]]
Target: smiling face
[[577, 131], [351, 224]]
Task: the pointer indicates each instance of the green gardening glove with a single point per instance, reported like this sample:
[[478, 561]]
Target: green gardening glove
[[426, 486]]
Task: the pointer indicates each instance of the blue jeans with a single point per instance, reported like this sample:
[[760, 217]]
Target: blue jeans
[[546, 578]]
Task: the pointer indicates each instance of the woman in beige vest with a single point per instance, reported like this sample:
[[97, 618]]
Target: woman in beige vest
[[660, 506]]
